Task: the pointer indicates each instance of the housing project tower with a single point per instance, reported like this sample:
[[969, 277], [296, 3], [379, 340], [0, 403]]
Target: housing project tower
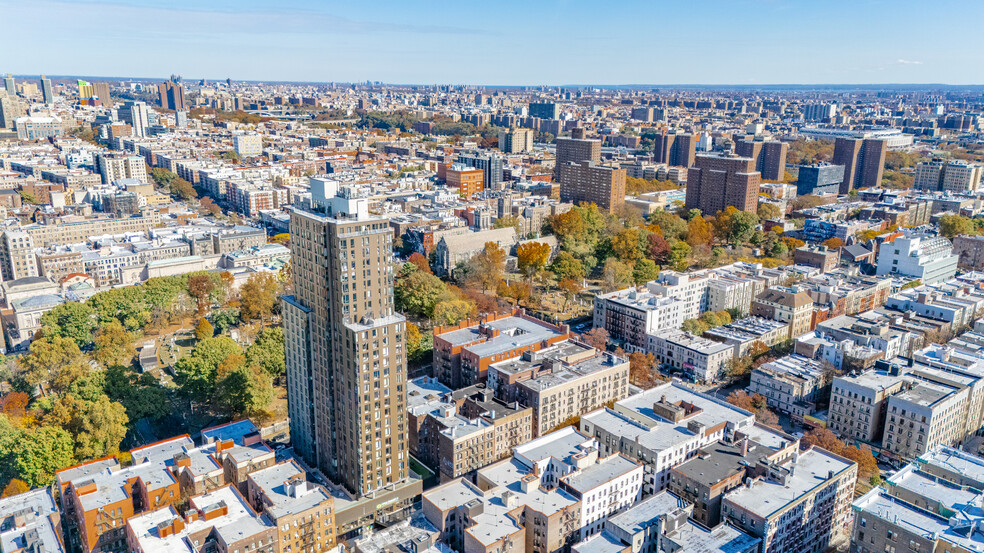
[[345, 345]]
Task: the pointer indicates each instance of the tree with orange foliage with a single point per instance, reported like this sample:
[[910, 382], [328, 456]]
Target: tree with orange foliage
[[757, 404], [699, 232], [14, 405], [420, 261], [643, 369], [14, 487], [596, 338], [833, 243]]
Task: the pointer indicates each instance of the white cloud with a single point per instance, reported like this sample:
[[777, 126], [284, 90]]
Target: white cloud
[[908, 62]]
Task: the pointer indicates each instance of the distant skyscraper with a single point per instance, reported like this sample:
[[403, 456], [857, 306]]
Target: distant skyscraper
[[941, 176], [101, 90], [716, 182], [819, 112], [588, 182], [47, 93], [575, 150], [769, 156], [85, 91], [544, 110], [491, 164], [346, 346], [8, 83], [863, 160], [136, 114], [678, 149], [514, 141], [171, 94]]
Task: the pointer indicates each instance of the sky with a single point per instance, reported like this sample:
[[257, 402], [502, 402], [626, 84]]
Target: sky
[[506, 42]]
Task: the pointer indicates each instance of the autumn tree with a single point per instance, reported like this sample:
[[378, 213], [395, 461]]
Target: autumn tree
[[532, 258], [643, 369], [204, 329], [769, 212], [258, 296], [596, 338], [42, 452], [487, 268], [616, 274], [14, 487], [644, 271], [699, 232], [420, 262], [54, 361], [833, 243], [72, 320], [114, 345], [566, 266], [757, 404], [200, 286], [418, 293], [657, 248], [451, 311]]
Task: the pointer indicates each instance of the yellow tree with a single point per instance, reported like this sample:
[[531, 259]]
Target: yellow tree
[[532, 257]]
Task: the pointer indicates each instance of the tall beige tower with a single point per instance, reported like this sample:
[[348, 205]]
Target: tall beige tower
[[346, 355]]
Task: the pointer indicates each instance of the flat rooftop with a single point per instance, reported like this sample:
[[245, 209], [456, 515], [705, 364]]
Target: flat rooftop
[[514, 332], [765, 497]]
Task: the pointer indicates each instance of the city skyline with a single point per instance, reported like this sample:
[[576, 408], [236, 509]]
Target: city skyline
[[514, 44]]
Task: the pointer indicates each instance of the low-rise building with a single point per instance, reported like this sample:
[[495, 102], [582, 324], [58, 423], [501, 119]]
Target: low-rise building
[[463, 352], [791, 305], [561, 382], [630, 315], [302, 512], [927, 258], [792, 385], [699, 359]]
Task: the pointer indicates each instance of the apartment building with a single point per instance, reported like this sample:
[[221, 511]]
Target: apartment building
[[954, 302], [220, 520], [631, 315], [349, 377], [589, 182], [792, 385], [17, 259], [698, 359], [248, 145], [969, 250], [98, 498], [457, 439], [575, 150], [930, 259], [930, 505], [515, 140], [114, 167], [717, 469], [863, 160], [31, 521], [954, 176], [717, 182], [560, 382], [660, 524], [791, 305], [803, 504], [466, 180], [858, 404], [463, 352], [751, 332], [820, 257], [72, 230], [666, 425], [846, 294], [769, 156], [923, 416], [302, 512], [675, 148]]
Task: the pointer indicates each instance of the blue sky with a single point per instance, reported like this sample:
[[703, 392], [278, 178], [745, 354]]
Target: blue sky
[[503, 42]]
